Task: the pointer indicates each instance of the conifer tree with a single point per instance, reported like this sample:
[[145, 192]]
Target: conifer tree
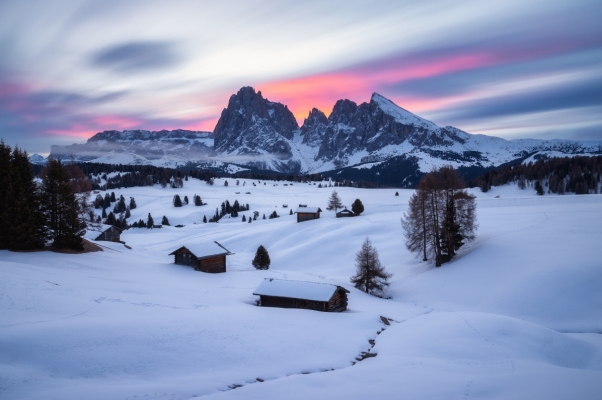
[[204, 219], [370, 275], [357, 207], [150, 222], [104, 213], [261, 261], [5, 192], [110, 219], [185, 199], [61, 208], [177, 202], [132, 203], [334, 202], [165, 221], [244, 219], [113, 199], [197, 200]]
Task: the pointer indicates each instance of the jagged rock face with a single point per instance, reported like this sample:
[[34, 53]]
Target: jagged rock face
[[314, 127], [253, 125], [372, 126]]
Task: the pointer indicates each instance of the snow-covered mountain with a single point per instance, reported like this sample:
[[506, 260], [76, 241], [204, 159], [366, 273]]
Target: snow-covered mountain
[[257, 133], [37, 159], [140, 147]]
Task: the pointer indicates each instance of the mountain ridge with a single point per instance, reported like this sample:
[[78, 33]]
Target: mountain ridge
[[257, 133]]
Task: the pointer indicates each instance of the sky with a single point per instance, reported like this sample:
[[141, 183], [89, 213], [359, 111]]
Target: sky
[[513, 69]]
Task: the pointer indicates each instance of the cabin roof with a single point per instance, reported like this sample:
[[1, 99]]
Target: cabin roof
[[346, 211], [112, 227], [308, 210], [204, 249], [297, 289]]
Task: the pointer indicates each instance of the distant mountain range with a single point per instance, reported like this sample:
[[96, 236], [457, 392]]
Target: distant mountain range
[[255, 133]]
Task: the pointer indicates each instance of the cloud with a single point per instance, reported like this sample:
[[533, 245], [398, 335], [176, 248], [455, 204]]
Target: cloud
[[135, 57]]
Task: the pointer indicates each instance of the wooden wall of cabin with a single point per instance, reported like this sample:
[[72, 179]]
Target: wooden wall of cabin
[[286, 302], [212, 265], [184, 258], [301, 217], [338, 302]]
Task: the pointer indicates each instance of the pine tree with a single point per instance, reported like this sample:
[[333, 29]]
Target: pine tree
[[291, 212], [197, 200], [132, 203], [226, 183], [204, 219], [127, 212], [396, 193], [357, 207], [177, 202], [104, 213], [61, 208], [370, 275], [185, 199], [244, 219], [113, 199], [334, 202], [261, 261], [165, 221], [110, 219], [150, 222]]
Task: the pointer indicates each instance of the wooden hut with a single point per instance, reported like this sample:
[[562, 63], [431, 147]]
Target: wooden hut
[[206, 257], [111, 234], [299, 294], [345, 213], [305, 213]]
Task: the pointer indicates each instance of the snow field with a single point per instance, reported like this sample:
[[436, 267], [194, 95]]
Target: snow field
[[518, 314]]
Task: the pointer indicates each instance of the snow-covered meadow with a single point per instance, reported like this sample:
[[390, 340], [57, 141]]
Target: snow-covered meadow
[[518, 314]]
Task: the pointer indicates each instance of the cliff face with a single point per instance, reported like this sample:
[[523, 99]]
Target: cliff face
[[252, 125]]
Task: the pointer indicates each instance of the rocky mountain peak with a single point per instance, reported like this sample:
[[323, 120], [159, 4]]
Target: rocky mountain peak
[[314, 127], [254, 125], [343, 112]]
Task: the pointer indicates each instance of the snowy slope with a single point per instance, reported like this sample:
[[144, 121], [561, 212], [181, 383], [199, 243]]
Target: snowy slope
[[516, 315]]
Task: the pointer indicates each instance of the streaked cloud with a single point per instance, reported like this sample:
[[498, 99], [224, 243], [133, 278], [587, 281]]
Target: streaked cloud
[[496, 68]]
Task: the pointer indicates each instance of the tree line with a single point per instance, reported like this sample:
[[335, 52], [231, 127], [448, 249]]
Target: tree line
[[579, 175], [441, 216], [55, 211]]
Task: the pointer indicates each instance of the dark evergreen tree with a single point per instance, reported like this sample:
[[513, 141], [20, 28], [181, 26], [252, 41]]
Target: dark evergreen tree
[[26, 226], [370, 275], [250, 220], [261, 259], [107, 201], [110, 219], [150, 222], [61, 208], [291, 213], [165, 221], [244, 219], [396, 193], [132, 203], [185, 199], [177, 202], [274, 214], [357, 207], [263, 216], [204, 219], [6, 192], [539, 189], [197, 200], [113, 199], [127, 213], [225, 183]]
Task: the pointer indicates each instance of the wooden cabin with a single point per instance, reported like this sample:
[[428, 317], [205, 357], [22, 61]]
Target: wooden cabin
[[345, 213], [305, 295], [305, 213], [206, 257], [111, 234]]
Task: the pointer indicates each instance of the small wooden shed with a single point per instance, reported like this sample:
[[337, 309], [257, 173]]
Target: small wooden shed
[[305, 213], [345, 213], [298, 294], [206, 257], [111, 234]]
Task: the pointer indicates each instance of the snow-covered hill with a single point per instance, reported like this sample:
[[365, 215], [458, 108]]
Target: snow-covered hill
[[517, 314], [257, 133]]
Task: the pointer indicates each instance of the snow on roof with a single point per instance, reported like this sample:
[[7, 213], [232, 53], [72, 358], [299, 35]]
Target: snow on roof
[[308, 210], [205, 249], [296, 289]]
